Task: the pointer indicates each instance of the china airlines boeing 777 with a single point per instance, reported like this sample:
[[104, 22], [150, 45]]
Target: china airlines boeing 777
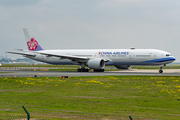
[[95, 59]]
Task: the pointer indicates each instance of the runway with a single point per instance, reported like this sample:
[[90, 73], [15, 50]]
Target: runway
[[24, 73]]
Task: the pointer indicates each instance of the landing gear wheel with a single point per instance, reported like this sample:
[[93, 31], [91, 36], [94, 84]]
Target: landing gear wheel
[[86, 70], [102, 70], [82, 70], [160, 71]]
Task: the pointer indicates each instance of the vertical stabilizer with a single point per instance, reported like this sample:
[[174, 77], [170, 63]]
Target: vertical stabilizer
[[32, 44]]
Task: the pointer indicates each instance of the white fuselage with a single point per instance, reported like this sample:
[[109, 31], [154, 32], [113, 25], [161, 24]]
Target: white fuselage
[[111, 56], [95, 59]]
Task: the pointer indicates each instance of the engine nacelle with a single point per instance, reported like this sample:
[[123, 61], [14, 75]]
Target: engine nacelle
[[96, 64], [123, 66]]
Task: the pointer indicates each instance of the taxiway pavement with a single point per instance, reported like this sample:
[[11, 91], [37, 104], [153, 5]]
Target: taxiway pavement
[[23, 73]]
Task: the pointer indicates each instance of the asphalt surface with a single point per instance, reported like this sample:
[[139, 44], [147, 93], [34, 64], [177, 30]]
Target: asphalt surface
[[28, 73]]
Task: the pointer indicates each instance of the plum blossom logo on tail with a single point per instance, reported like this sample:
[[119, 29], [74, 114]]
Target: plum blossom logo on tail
[[32, 44]]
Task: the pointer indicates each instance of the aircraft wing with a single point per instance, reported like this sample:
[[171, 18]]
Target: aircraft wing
[[33, 54], [71, 57], [22, 53]]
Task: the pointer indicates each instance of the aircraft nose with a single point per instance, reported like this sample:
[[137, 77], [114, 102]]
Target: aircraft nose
[[173, 58]]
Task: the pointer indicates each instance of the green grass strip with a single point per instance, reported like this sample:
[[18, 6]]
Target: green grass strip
[[105, 97]]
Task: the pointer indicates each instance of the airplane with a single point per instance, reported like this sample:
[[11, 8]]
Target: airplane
[[95, 59]]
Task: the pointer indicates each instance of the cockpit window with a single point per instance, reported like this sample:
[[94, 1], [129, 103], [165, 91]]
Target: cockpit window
[[168, 54]]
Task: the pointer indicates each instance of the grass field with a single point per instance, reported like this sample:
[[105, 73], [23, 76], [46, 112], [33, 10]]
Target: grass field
[[106, 97]]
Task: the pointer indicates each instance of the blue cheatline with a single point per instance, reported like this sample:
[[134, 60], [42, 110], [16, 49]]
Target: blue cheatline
[[161, 60]]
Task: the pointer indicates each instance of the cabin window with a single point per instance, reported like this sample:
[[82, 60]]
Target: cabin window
[[102, 55], [107, 55], [143, 55], [121, 55]]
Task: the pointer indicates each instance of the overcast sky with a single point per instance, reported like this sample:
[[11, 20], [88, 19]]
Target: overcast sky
[[69, 24]]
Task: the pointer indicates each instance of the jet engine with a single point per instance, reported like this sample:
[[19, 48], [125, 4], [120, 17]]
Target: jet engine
[[123, 66], [96, 64]]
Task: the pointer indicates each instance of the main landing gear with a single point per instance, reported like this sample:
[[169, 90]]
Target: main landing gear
[[82, 70], [101, 70], [87, 70]]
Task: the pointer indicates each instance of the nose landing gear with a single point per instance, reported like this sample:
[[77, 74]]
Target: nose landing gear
[[161, 71]]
